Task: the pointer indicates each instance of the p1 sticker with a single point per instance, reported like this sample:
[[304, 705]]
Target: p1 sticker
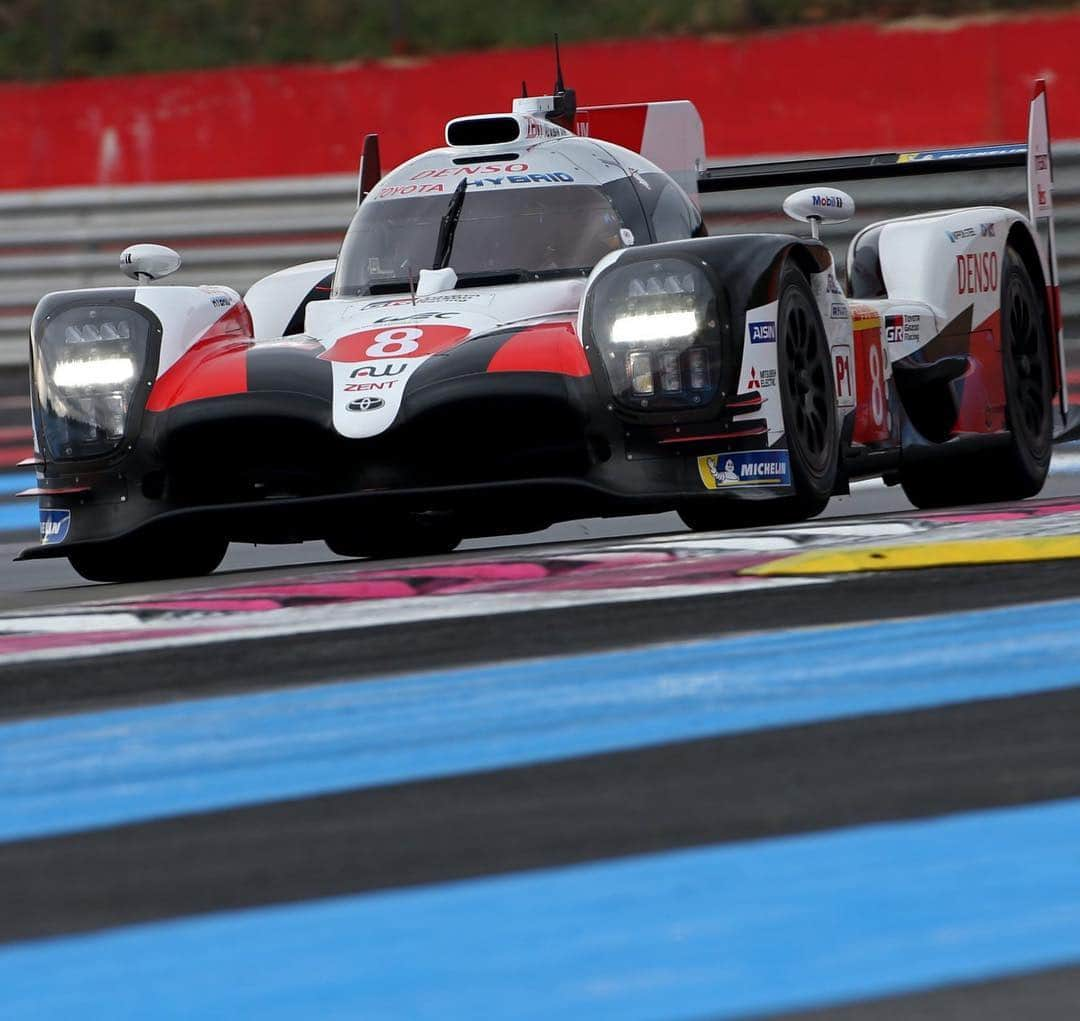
[[845, 381], [54, 526], [745, 468]]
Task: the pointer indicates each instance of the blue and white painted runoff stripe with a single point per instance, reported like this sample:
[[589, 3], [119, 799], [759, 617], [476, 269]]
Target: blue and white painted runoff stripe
[[720, 932], [17, 515], [97, 769], [15, 482]]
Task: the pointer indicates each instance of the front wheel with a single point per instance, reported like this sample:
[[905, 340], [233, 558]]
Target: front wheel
[[808, 401], [151, 558]]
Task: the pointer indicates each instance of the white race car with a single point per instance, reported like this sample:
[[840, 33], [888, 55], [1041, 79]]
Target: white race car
[[530, 324]]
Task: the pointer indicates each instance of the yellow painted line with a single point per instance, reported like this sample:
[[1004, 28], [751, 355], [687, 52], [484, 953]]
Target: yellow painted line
[[929, 554]]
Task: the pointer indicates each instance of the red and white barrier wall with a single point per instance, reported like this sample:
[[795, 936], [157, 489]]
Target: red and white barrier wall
[[858, 86]]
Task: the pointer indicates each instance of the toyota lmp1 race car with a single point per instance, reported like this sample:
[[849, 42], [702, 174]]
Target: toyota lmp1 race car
[[531, 324]]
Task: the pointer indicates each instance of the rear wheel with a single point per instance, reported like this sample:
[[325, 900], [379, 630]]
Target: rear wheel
[[1018, 468], [173, 554], [808, 400], [412, 537]]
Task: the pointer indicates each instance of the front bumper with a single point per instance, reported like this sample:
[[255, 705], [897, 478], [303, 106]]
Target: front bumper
[[501, 453]]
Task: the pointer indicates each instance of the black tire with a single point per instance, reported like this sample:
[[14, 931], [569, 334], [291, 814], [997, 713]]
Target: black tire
[[808, 400], [169, 555], [1016, 469], [400, 539]]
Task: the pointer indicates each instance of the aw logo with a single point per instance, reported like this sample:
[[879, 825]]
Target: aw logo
[[54, 526]]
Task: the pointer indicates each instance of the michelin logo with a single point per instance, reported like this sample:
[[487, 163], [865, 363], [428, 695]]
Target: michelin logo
[[54, 526], [745, 468]]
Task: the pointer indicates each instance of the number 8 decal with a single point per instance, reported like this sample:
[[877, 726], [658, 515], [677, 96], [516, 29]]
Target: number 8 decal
[[877, 386], [395, 343]]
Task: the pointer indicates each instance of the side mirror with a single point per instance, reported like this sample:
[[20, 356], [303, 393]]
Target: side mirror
[[815, 205], [144, 263]]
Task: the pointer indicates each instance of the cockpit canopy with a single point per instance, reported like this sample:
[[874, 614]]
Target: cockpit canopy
[[528, 217]]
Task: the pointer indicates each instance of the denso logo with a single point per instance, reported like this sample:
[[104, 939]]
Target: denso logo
[[486, 169], [762, 333], [828, 201], [977, 273]]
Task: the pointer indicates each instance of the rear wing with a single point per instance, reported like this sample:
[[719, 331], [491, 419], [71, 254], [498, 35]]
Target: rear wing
[[860, 168], [1035, 155], [669, 134]]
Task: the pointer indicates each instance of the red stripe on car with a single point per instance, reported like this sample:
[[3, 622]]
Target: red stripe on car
[[214, 366], [548, 347]]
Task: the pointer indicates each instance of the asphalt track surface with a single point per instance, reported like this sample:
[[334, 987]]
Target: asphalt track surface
[[857, 797]]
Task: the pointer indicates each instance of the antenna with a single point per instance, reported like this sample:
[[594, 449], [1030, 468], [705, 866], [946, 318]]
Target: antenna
[[565, 100], [524, 90]]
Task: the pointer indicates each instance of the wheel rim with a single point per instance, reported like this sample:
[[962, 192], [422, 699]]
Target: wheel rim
[[1027, 355], [805, 366]]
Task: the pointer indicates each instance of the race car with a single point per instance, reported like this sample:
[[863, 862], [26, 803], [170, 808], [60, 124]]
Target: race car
[[531, 324]]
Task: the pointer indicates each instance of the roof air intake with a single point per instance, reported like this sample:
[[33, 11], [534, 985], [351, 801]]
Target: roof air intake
[[473, 131]]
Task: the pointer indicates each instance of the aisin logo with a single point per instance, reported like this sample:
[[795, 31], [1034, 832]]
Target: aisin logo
[[367, 404]]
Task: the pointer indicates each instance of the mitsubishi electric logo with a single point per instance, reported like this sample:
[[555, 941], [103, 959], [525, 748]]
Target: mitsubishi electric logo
[[367, 404]]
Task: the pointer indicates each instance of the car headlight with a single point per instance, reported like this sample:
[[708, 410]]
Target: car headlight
[[89, 362], [655, 324]]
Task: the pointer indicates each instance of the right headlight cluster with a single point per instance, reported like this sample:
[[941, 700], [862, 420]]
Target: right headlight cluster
[[89, 362], [655, 324]]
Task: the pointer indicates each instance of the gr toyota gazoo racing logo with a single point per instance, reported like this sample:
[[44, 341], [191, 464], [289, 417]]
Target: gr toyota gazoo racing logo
[[901, 328]]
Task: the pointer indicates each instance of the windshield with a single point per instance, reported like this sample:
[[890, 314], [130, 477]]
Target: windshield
[[500, 236]]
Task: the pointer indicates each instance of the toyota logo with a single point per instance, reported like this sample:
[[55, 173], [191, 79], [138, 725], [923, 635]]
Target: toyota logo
[[367, 404]]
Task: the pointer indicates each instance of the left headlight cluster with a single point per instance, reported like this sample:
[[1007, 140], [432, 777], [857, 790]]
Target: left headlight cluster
[[655, 324], [89, 362]]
